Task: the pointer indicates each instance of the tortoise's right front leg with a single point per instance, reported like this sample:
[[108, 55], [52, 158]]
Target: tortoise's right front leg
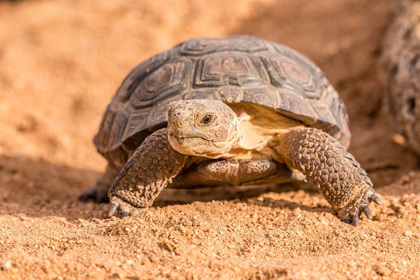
[[148, 171]]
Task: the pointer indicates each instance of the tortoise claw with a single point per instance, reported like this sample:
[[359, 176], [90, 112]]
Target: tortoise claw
[[125, 213], [366, 210], [126, 209], [113, 209], [355, 220], [347, 221], [352, 212], [349, 218], [373, 197]]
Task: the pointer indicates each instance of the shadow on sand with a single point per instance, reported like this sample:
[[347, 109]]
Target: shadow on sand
[[38, 188]]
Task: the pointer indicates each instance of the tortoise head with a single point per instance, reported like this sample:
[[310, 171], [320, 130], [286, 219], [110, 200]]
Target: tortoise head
[[201, 127]]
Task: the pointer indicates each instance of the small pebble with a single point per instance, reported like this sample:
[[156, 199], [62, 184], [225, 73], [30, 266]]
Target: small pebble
[[408, 233], [296, 212], [383, 271], [6, 265], [169, 246]]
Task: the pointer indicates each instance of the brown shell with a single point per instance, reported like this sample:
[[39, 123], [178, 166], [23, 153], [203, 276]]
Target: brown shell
[[231, 69]]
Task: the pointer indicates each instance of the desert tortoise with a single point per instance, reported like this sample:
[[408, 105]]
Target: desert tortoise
[[227, 111], [402, 71]]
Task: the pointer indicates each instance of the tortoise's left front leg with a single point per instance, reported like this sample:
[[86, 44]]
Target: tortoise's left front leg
[[333, 170], [148, 171]]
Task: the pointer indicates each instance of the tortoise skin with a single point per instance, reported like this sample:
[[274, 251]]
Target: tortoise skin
[[231, 69]]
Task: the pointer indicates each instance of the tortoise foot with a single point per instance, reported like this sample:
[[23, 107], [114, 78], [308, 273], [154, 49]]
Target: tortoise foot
[[125, 208], [97, 193], [352, 212]]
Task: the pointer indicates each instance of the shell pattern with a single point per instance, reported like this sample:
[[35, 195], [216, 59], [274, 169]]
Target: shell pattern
[[231, 69]]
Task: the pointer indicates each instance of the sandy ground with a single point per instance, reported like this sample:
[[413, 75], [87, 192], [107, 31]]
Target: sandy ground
[[60, 64]]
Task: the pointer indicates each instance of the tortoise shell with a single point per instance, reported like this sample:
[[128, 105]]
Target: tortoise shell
[[230, 69]]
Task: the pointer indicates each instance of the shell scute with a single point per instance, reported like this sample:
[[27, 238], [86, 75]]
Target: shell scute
[[231, 69]]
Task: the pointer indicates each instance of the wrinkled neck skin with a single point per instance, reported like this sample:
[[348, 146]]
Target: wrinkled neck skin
[[203, 128]]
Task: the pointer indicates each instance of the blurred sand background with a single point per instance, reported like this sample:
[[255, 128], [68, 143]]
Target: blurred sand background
[[60, 64]]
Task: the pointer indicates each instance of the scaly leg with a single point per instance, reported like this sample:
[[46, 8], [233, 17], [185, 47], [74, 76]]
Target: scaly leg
[[148, 171], [333, 170]]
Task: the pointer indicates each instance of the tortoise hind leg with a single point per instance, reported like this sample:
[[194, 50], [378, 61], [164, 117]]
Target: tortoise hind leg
[[336, 173], [99, 192]]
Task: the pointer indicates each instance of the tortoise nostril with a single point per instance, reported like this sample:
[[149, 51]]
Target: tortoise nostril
[[411, 104]]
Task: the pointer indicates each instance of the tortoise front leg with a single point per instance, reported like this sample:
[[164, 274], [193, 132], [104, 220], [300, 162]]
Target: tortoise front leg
[[333, 170], [148, 171]]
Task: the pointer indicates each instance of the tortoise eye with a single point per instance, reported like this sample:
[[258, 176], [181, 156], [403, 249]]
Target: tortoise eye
[[207, 119]]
